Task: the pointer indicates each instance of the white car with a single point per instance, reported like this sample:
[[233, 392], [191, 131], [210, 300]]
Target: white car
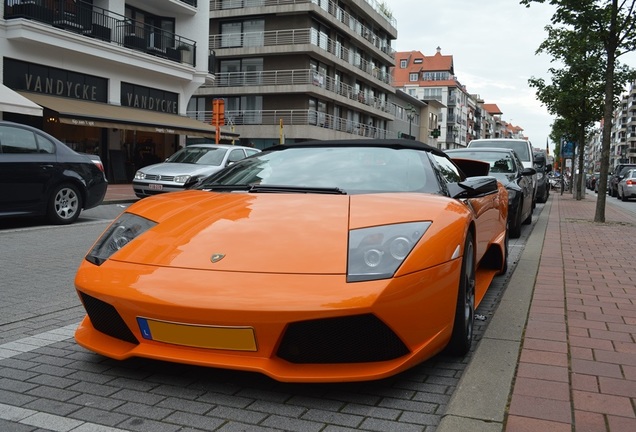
[[627, 185], [186, 167], [522, 147]]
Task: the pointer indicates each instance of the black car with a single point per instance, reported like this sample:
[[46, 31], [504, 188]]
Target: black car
[[41, 176], [543, 167], [619, 172], [506, 166]]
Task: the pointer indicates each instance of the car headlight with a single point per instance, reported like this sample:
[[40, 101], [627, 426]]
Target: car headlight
[[182, 179], [539, 176], [377, 252], [126, 228], [140, 175]]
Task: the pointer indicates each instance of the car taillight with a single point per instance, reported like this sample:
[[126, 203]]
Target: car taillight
[[630, 182], [99, 165]]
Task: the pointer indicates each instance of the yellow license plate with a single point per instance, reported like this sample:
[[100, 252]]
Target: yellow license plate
[[213, 337]]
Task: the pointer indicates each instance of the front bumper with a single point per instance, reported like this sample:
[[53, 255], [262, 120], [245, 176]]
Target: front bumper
[[309, 328]]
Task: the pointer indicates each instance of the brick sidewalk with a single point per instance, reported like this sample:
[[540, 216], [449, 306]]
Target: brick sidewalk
[[577, 367]]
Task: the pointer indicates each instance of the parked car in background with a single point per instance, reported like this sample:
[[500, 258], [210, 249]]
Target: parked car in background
[[522, 147], [543, 181], [506, 167], [186, 167], [319, 261], [41, 176], [617, 174], [598, 182], [627, 185]]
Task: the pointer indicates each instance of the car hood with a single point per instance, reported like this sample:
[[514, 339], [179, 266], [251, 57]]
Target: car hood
[[175, 169], [271, 233]]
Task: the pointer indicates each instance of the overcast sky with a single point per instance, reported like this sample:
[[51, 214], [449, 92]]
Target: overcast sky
[[493, 44]]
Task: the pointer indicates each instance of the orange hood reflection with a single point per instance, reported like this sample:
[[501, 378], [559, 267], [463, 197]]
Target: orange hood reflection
[[264, 233]]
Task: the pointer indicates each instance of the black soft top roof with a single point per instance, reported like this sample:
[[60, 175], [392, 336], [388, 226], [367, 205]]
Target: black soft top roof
[[398, 143]]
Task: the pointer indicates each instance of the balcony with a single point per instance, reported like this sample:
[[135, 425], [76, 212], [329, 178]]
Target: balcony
[[91, 21], [296, 77], [294, 39], [329, 6], [295, 118]]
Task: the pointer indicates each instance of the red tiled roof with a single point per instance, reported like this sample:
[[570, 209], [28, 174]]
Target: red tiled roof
[[492, 109], [418, 63]]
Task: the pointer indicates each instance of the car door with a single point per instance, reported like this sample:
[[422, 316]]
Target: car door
[[27, 167]]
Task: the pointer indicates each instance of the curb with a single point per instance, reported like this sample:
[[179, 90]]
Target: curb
[[480, 402]]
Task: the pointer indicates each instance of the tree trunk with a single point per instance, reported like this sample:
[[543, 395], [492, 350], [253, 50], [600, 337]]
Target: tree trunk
[[611, 45]]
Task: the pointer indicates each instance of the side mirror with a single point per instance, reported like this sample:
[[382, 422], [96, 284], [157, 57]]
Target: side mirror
[[474, 187], [528, 172]]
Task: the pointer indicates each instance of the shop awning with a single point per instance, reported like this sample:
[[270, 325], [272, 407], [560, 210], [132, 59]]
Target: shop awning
[[12, 101], [95, 114]]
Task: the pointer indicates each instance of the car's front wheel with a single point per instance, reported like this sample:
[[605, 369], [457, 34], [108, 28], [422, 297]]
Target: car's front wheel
[[462, 336], [515, 228], [65, 204]]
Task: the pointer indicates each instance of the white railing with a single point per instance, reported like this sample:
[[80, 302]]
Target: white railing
[[330, 6], [297, 77], [297, 118], [298, 37]]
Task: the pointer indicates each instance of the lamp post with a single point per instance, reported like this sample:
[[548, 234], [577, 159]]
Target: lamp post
[[410, 114]]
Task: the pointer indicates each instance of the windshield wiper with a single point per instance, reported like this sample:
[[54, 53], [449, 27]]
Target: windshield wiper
[[226, 187], [296, 189]]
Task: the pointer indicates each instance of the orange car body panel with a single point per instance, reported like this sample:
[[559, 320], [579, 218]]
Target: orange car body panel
[[266, 281]]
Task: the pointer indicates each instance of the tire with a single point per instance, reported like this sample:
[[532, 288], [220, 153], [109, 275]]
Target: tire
[[528, 220], [623, 197], [462, 336], [515, 229], [504, 268], [65, 204]]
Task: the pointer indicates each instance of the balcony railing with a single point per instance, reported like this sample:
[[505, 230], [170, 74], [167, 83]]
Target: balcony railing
[[297, 77], [330, 6], [295, 118], [297, 37], [95, 22]]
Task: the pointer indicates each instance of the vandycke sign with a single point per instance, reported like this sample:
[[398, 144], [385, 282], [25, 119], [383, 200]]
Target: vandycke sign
[[35, 78], [147, 98]]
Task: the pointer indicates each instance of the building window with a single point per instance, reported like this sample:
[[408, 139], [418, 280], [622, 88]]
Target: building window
[[413, 76], [245, 33], [436, 76], [403, 64]]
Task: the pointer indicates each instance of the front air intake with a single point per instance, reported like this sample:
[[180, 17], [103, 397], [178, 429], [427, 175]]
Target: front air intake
[[352, 339], [106, 319]]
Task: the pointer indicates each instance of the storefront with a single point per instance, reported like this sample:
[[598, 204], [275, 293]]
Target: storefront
[[145, 128]]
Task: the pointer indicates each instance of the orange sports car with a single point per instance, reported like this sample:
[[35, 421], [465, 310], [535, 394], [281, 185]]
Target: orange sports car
[[313, 262]]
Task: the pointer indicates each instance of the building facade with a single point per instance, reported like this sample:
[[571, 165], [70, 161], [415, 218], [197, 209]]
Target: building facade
[[113, 77], [623, 144], [293, 70]]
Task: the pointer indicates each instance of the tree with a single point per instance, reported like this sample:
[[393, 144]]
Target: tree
[[576, 90], [611, 25]]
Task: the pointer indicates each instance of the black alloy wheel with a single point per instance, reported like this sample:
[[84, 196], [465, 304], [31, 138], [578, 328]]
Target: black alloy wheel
[[462, 336]]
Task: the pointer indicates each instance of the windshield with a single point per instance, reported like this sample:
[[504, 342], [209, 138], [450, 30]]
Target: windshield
[[347, 169], [502, 165], [520, 147], [199, 155]]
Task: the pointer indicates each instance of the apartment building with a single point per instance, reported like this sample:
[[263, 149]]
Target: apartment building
[[463, 116], [111, 77], [293, 70], [433, 78], [623, 145]]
